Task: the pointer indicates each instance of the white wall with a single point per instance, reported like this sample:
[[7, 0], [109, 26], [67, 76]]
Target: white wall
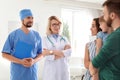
[[42, 9]]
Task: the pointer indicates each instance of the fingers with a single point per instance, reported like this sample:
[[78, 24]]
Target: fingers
[[44, 49], [45, 52], [27, 62], [67, 47], [57, 57], [28, 59], [92, 69]]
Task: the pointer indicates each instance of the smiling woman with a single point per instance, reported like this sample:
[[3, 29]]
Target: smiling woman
[[57, 51]]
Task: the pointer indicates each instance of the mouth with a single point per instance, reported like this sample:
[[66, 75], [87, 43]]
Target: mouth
[[30, 23]]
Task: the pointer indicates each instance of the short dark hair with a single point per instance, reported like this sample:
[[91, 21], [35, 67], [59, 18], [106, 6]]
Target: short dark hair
[[97, 24], [113, 6]]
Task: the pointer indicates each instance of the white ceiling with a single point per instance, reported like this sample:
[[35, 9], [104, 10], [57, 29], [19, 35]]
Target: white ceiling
[[92, 1], [96, 4], [86, 1]]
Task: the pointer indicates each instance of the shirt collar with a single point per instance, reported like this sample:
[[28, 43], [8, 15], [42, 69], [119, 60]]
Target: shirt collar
[[55, 36]]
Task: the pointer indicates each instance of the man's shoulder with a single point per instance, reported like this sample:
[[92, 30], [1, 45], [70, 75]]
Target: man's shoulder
[[114, 35], [14, 32]]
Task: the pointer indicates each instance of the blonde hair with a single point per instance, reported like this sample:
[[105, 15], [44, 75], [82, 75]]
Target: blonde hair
[[48, 32], [101, 19]]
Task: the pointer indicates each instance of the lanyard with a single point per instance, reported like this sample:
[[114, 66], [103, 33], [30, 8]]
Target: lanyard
[[53, 43]]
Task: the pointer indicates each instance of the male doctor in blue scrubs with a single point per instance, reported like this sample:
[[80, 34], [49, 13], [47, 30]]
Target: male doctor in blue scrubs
[[23, 49]]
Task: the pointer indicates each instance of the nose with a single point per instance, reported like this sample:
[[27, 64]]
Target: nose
[[31, 20]]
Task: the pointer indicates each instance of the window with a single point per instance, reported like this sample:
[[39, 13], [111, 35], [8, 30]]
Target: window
[[79, 22]]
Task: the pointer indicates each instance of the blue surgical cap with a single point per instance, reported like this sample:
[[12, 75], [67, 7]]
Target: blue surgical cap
[[25, 13]]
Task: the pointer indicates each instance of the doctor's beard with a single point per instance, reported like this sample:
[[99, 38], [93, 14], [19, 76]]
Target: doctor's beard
[[109, 22], [28, 24]]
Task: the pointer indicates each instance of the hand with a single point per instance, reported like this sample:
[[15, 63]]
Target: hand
[[95, 77], [45, 52], [57, 57], [24, 62], [92, 69], [58, 53], [67, 47], [28, 62], [31, 61]]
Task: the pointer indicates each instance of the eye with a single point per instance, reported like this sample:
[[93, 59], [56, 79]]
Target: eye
[[29, 17], [55, 24]]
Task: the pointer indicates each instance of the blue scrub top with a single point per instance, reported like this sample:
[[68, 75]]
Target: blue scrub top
[[21, 46]]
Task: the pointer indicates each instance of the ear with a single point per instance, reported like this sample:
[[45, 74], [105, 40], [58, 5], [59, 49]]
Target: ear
[[112, 15]]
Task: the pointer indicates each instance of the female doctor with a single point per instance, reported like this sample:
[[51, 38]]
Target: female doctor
[[56, 50]]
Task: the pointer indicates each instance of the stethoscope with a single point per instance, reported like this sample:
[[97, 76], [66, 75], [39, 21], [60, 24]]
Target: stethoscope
[[53, 43]]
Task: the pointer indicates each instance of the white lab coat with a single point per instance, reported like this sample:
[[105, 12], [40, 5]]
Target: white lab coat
[[56, 69]]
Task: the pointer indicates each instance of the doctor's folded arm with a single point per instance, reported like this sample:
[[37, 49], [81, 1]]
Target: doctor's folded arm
[[57, 54]]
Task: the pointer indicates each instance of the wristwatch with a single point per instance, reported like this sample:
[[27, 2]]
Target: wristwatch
[[51, 52]]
